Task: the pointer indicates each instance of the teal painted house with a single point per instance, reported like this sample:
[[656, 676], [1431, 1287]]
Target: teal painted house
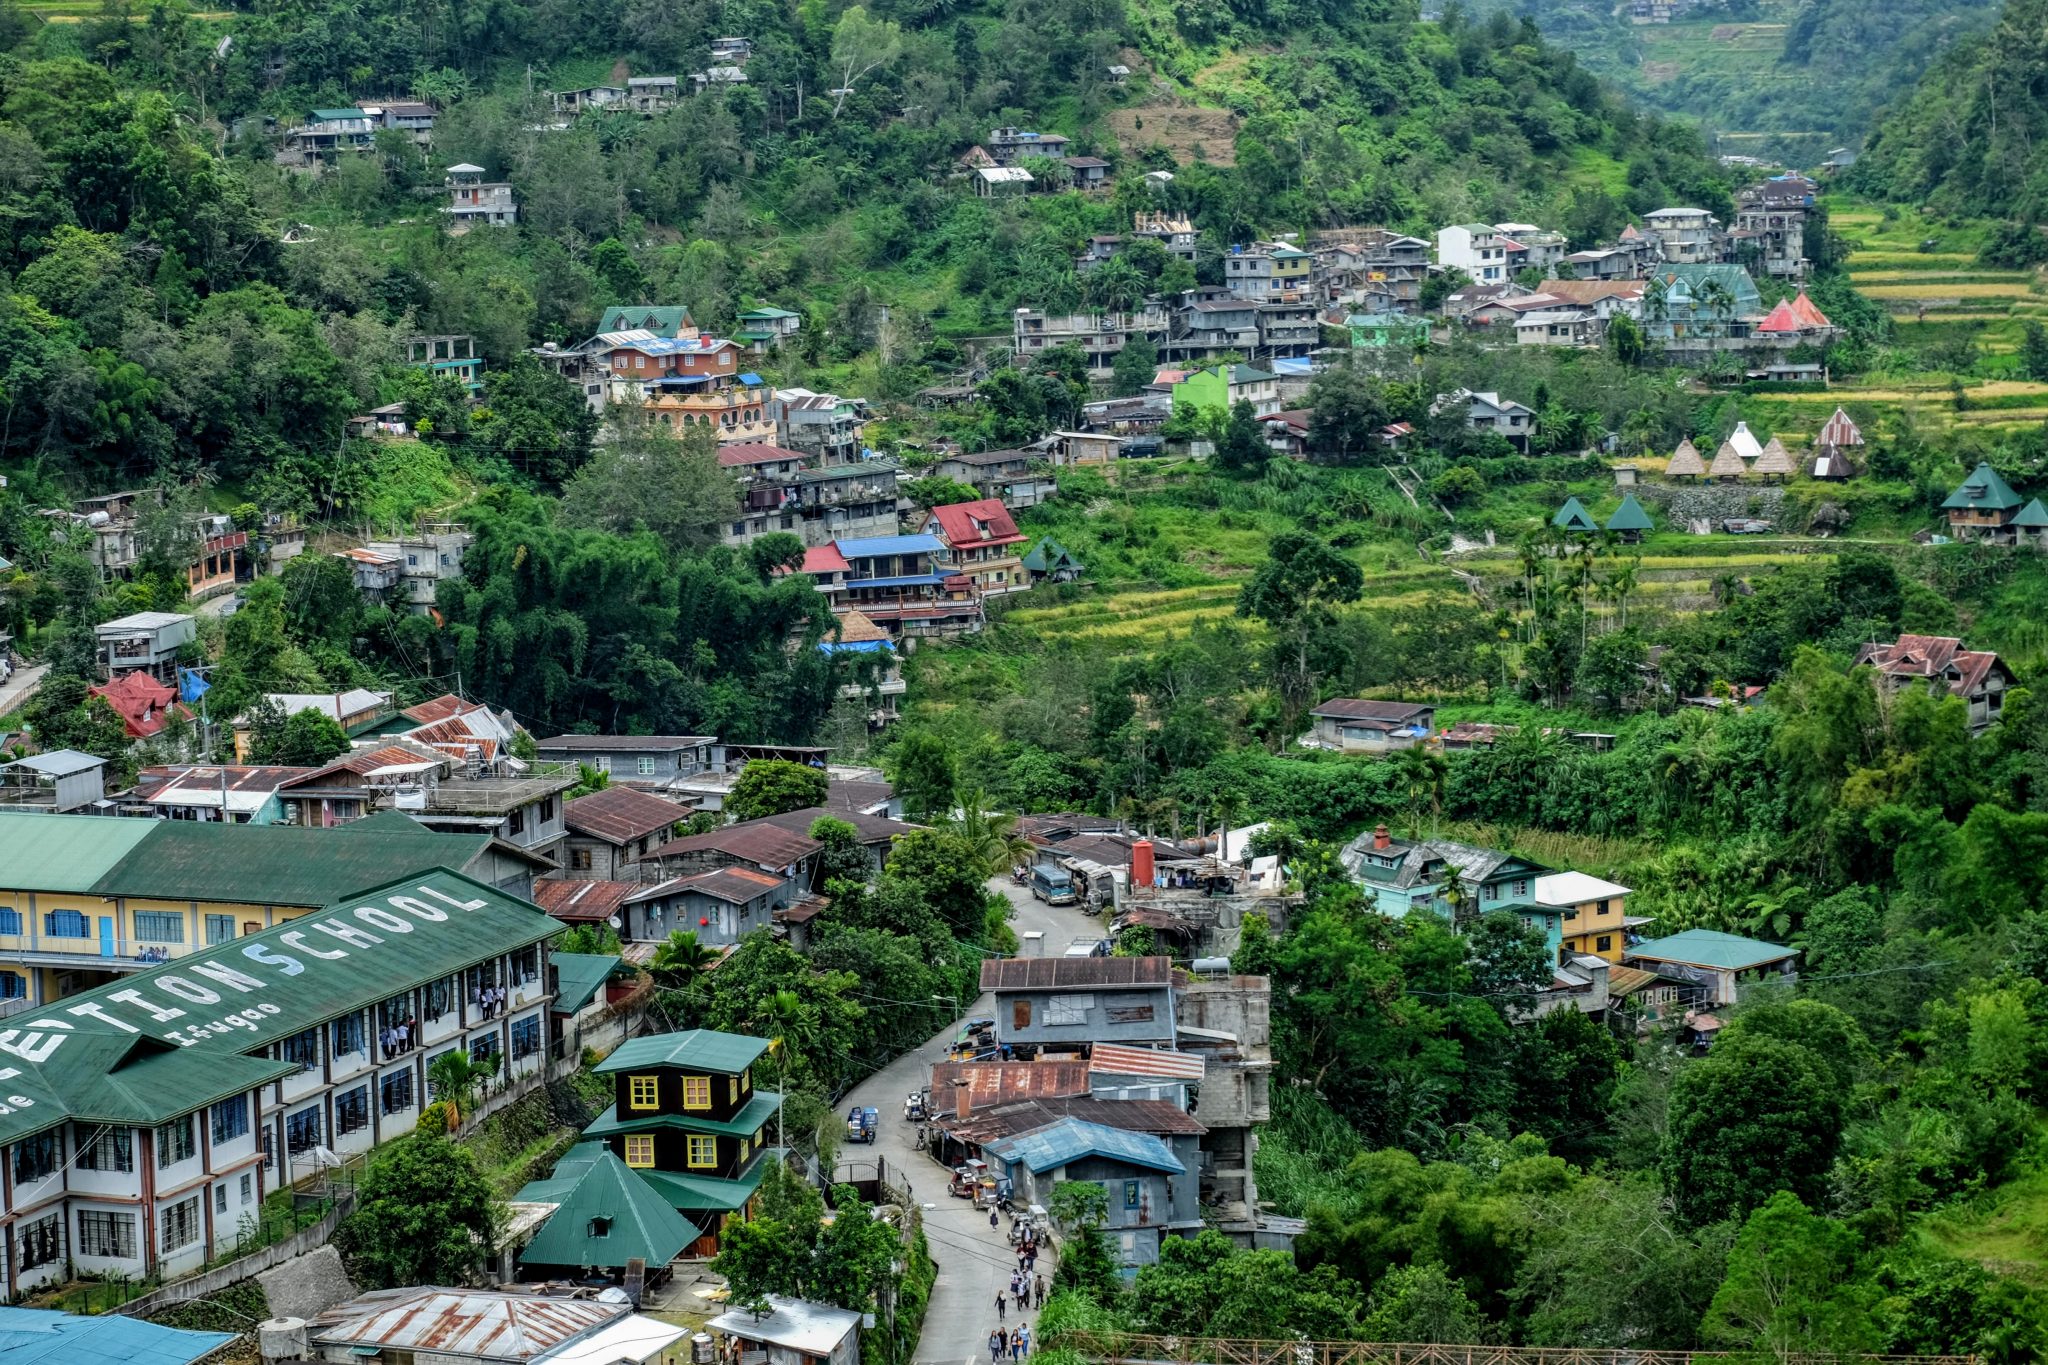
[[1377, 331], [1696, 302], [1405, 875]]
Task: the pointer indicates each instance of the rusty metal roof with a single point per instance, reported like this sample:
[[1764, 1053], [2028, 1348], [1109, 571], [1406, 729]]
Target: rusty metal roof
[[575, 902], [1074, 973], [1162, 1117], [488, 1325], [619, 815], [987, 1084], [756, 841], [1110, 1059]]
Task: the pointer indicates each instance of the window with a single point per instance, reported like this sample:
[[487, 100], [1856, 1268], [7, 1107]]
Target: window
[[1601, 908], [603, 762], [180, 1224], [703, 1152], [645, 765], [732, 1090], [37, 1157], [349, 1035], [219, 929], [1069, 1009], [10, 920], [302, 1047], [743, 1152], [1570, 915], [107, 1235], [525, 965], [110, 1149], [644, 1092], [547, 809], [159, 926], [1131, 1194], [66, 924], [440, 997], [230, 1119], [1521, 890], [747, 1081], [352, 1111], [696, 1092], [42, 1241], [525, 1037], [640, 1150], [175, 1142], [248, 1187], [12, 987], [220, 1198], [302, 1131], [1603, 944], [518, 822], [394, 1092], [579, 860]]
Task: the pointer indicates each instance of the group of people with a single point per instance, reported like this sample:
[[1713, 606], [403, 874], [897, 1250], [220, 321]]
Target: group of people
[[490, 1000], [1027, 1291], [398, 1037], [1012, 1345]]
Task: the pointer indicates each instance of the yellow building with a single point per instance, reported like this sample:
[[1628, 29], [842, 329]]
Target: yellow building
[[1595, 919], [85, 899]]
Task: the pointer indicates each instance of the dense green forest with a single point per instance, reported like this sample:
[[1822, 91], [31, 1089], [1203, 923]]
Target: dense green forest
[[1805, 74]]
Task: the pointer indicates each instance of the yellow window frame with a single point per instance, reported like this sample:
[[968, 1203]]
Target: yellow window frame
[[640, 1150], [696, 1092], [703, 1155], [732, 1089], [747, 1081], [643, 1092]]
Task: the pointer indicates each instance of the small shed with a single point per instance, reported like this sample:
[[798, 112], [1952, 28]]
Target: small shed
[[990, 181], [1685, 462], [1574, 519], [1626, 475], [793, 1332], [63, 780], [2030, 527], [1745, 442], [1727, 466], [1630, 522], [1774, 463]]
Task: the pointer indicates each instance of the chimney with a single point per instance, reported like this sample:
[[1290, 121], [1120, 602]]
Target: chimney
[[1379, 837]]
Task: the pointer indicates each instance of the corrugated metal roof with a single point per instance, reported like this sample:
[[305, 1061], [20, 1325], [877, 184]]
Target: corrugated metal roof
[[745, 1122], [755, 841], [606, 1215], [488, 1324], [1110, 1059], [698, 1049], [1137, 1116], [39, 1336], [709, 1193], [64, 852], [1070, 1140], [620, 814], [1074, 973], [579, 977], [980, 1085], [814, 1329], [575, 902], [273, 864], [869, 547], [1710, 948]]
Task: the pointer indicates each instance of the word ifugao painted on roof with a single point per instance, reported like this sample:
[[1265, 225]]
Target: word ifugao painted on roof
[[163, 997]]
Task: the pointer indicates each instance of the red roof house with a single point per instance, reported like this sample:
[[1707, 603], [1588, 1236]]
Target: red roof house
[[1809, 316], [142, 703], [964, 525], [1780, 319]]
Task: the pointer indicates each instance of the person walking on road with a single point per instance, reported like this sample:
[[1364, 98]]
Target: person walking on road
[[1001, 1304]]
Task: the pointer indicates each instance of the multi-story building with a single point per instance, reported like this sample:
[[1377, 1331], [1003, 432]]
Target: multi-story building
[[1212, 323], [908, 585], [1770, 223], [611, 831], [476, 202], [1174, 231], [147, 1120], [781, 490], [1017, 477], [1058, 1004], [985, 544], [1685, 236], [1455, 881], [733, 413], [1009, 146], [652, 94], [640, 363], [1530, 247], [1594, 914], [1979, 677], [648, 762], [147, 641], [1477, 249], [1267, 271], [1375, 267], [454, 355], [826, 428], [1099, 335], [1289, 328], [328, 132], [1218, 390], [408, 572]]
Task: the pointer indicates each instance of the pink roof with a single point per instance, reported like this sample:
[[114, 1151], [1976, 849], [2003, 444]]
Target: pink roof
[[1780, 319], [985, 522], [1808, 315], [824, 559], [751, 452], [1629, 233]]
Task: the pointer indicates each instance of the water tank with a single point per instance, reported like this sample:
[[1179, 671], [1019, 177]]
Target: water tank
[[281, 1339], [1218, 965], [702, 1352], [1141, 863], [98, 519], [409, 796]]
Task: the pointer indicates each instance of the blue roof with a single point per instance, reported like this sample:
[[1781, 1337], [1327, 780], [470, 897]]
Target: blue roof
[[1295, 365], [908, 580], [889, 545], [1069, 1140], [38, 1336], [750, 379], [854, 646], [675, 345]]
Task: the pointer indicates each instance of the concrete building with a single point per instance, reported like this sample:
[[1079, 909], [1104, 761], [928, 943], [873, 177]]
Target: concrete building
[[1477, 249], [1059, 1004]]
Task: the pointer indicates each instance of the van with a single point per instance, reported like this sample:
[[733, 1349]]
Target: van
[[1053, 885]]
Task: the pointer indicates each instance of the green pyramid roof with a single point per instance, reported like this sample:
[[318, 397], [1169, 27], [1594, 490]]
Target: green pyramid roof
[[1630, 516], [1049, 554], [606, 1216], [2033, 516], [1574, 517], [1983, 491]]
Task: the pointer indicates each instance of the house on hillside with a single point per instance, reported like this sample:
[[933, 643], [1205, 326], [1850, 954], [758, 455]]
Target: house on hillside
[[1220, 390], [1685, 236], [1979, 677], [1719, 966], [1152, 1195], [670, 322], [1002, 474], [1594, 914], [476, 202], [1061, 1004], [763, 329], [985, 544], [1455, 881], [1983, 507], [611, 830], [144, 705], [647, 762], [1051, 562], [1704, 306], [1354, 726], [1478, 249], [1490, 414]]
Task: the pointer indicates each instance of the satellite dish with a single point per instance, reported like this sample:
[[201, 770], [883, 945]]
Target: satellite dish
[[616, 923]]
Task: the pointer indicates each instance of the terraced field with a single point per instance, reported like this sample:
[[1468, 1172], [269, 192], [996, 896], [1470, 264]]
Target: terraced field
[[1938, 292]]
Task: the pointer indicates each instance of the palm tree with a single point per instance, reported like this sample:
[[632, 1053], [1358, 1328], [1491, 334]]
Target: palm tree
[[1421, 773], [681, 956], [784, 1012], [991, 834]]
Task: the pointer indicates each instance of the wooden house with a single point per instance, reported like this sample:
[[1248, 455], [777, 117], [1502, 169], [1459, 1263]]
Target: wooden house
[[1983, 508]]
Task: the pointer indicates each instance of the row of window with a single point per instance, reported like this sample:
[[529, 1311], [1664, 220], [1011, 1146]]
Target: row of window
[[151, 926], [645, 764], [702, 1154], [644, 1091], [104, 1233]]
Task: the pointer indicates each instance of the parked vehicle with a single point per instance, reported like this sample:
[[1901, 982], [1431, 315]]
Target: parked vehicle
[[861, 1124], [1053, 885], [967, 1178], [917, 1106]]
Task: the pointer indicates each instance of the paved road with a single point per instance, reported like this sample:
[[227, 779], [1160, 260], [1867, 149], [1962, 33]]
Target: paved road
[[19, 687], [974, 1259]]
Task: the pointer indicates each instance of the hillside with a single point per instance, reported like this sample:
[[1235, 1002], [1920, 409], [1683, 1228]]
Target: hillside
[[1770, 77]]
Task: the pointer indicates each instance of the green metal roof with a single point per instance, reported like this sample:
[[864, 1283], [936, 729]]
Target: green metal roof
[[579, 977], [606, 1216], [1983, 491], [1630, 516], [770, 314], [755, 1112], [66, 853], [163, 1042], [708, 1194], [695, 1050], [276, 864], [2033, 516], [1049, 554], [663, 320], [1574, 517], [1711, 948], [331, 115]]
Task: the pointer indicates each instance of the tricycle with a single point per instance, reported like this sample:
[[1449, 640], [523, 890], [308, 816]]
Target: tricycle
[[860, 1124], [967, 1178]]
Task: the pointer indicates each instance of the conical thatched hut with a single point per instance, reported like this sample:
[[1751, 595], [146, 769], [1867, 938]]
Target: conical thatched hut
[[1727, 466], [1774, 463], [1686, 462]]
